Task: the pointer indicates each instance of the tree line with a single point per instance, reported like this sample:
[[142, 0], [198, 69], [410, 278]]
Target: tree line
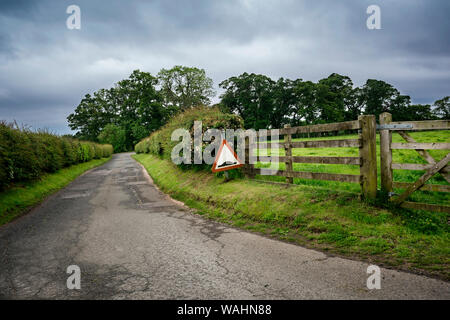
[[141, 104], [266, 103], [132, 109]]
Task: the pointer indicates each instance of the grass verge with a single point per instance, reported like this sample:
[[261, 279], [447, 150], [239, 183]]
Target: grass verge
[[332, 221], [20, 197]]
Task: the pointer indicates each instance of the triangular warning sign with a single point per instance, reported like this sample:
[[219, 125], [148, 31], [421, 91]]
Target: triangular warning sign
[[226, 158]]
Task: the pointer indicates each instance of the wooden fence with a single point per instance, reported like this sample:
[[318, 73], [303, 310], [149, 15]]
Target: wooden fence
[[367, 154], [367, 159], [387, 166]]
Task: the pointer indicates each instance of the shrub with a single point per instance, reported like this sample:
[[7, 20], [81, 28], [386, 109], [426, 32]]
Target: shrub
[[107, 150], [159, 142], [69, 153], [5, 156], [91, 151], [98, 151], [50, 153], [22, 153], [84, 151], [26, 155], [114, 135]]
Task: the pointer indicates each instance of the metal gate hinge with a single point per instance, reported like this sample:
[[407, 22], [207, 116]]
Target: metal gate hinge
[[394, 126]]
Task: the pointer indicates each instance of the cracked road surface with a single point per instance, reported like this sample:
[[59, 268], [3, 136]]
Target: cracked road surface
[[132, 242]]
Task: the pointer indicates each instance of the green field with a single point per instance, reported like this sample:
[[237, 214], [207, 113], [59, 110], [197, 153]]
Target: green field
[[329, 219], [20, 197], [399, 156]]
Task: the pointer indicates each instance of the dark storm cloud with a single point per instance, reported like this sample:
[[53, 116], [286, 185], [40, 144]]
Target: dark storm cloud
[[17, 7], [45, 69]]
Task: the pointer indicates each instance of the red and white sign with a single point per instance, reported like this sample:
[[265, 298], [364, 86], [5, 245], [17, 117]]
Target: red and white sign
[[226, 158]]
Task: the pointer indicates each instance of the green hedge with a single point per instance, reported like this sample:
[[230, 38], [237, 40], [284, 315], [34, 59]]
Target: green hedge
[[26, 155], [159, 142]]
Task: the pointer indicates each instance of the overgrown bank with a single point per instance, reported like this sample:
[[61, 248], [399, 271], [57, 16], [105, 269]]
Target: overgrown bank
[[330, 220], [20, 197], [160, 142]]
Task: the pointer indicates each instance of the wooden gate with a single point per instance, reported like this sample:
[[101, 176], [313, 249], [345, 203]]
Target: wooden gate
[[433, 167]]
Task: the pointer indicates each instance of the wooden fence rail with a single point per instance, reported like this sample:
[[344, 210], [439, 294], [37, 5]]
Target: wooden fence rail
[[347, 143], [319, 160], [317, 128]]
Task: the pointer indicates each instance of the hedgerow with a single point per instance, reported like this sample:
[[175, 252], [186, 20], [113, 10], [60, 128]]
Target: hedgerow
[[159, 142], [26, 155]]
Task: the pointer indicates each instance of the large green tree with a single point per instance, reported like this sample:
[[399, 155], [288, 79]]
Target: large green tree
[[304, 108], [91, 115], [378, 96], [139, 103], [414, 112], [264, 103], [185, 87], [251, 97], [283, 100], [134, 105], [114, 135], [333, 94], [442, 108]]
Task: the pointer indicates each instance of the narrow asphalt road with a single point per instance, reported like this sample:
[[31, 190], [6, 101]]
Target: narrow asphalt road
[[132, 242]]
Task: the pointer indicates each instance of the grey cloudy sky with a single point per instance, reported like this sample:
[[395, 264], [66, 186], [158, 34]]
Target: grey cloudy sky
[[45, 69]]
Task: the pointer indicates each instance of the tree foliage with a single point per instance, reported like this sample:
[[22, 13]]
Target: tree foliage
[[442, 108], [265, 103], [139, 105], [251, 96], [185, 87], [115, 136]]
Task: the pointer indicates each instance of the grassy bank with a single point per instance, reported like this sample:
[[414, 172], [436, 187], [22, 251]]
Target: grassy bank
[[331, 220], [21, 196]]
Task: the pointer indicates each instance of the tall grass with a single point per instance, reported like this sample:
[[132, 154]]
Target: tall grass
[[21, 196]]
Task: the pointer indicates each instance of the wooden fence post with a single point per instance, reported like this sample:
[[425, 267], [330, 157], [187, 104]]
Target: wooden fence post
[[288, 154], [368, 154], [248, 167], [386, 154]]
